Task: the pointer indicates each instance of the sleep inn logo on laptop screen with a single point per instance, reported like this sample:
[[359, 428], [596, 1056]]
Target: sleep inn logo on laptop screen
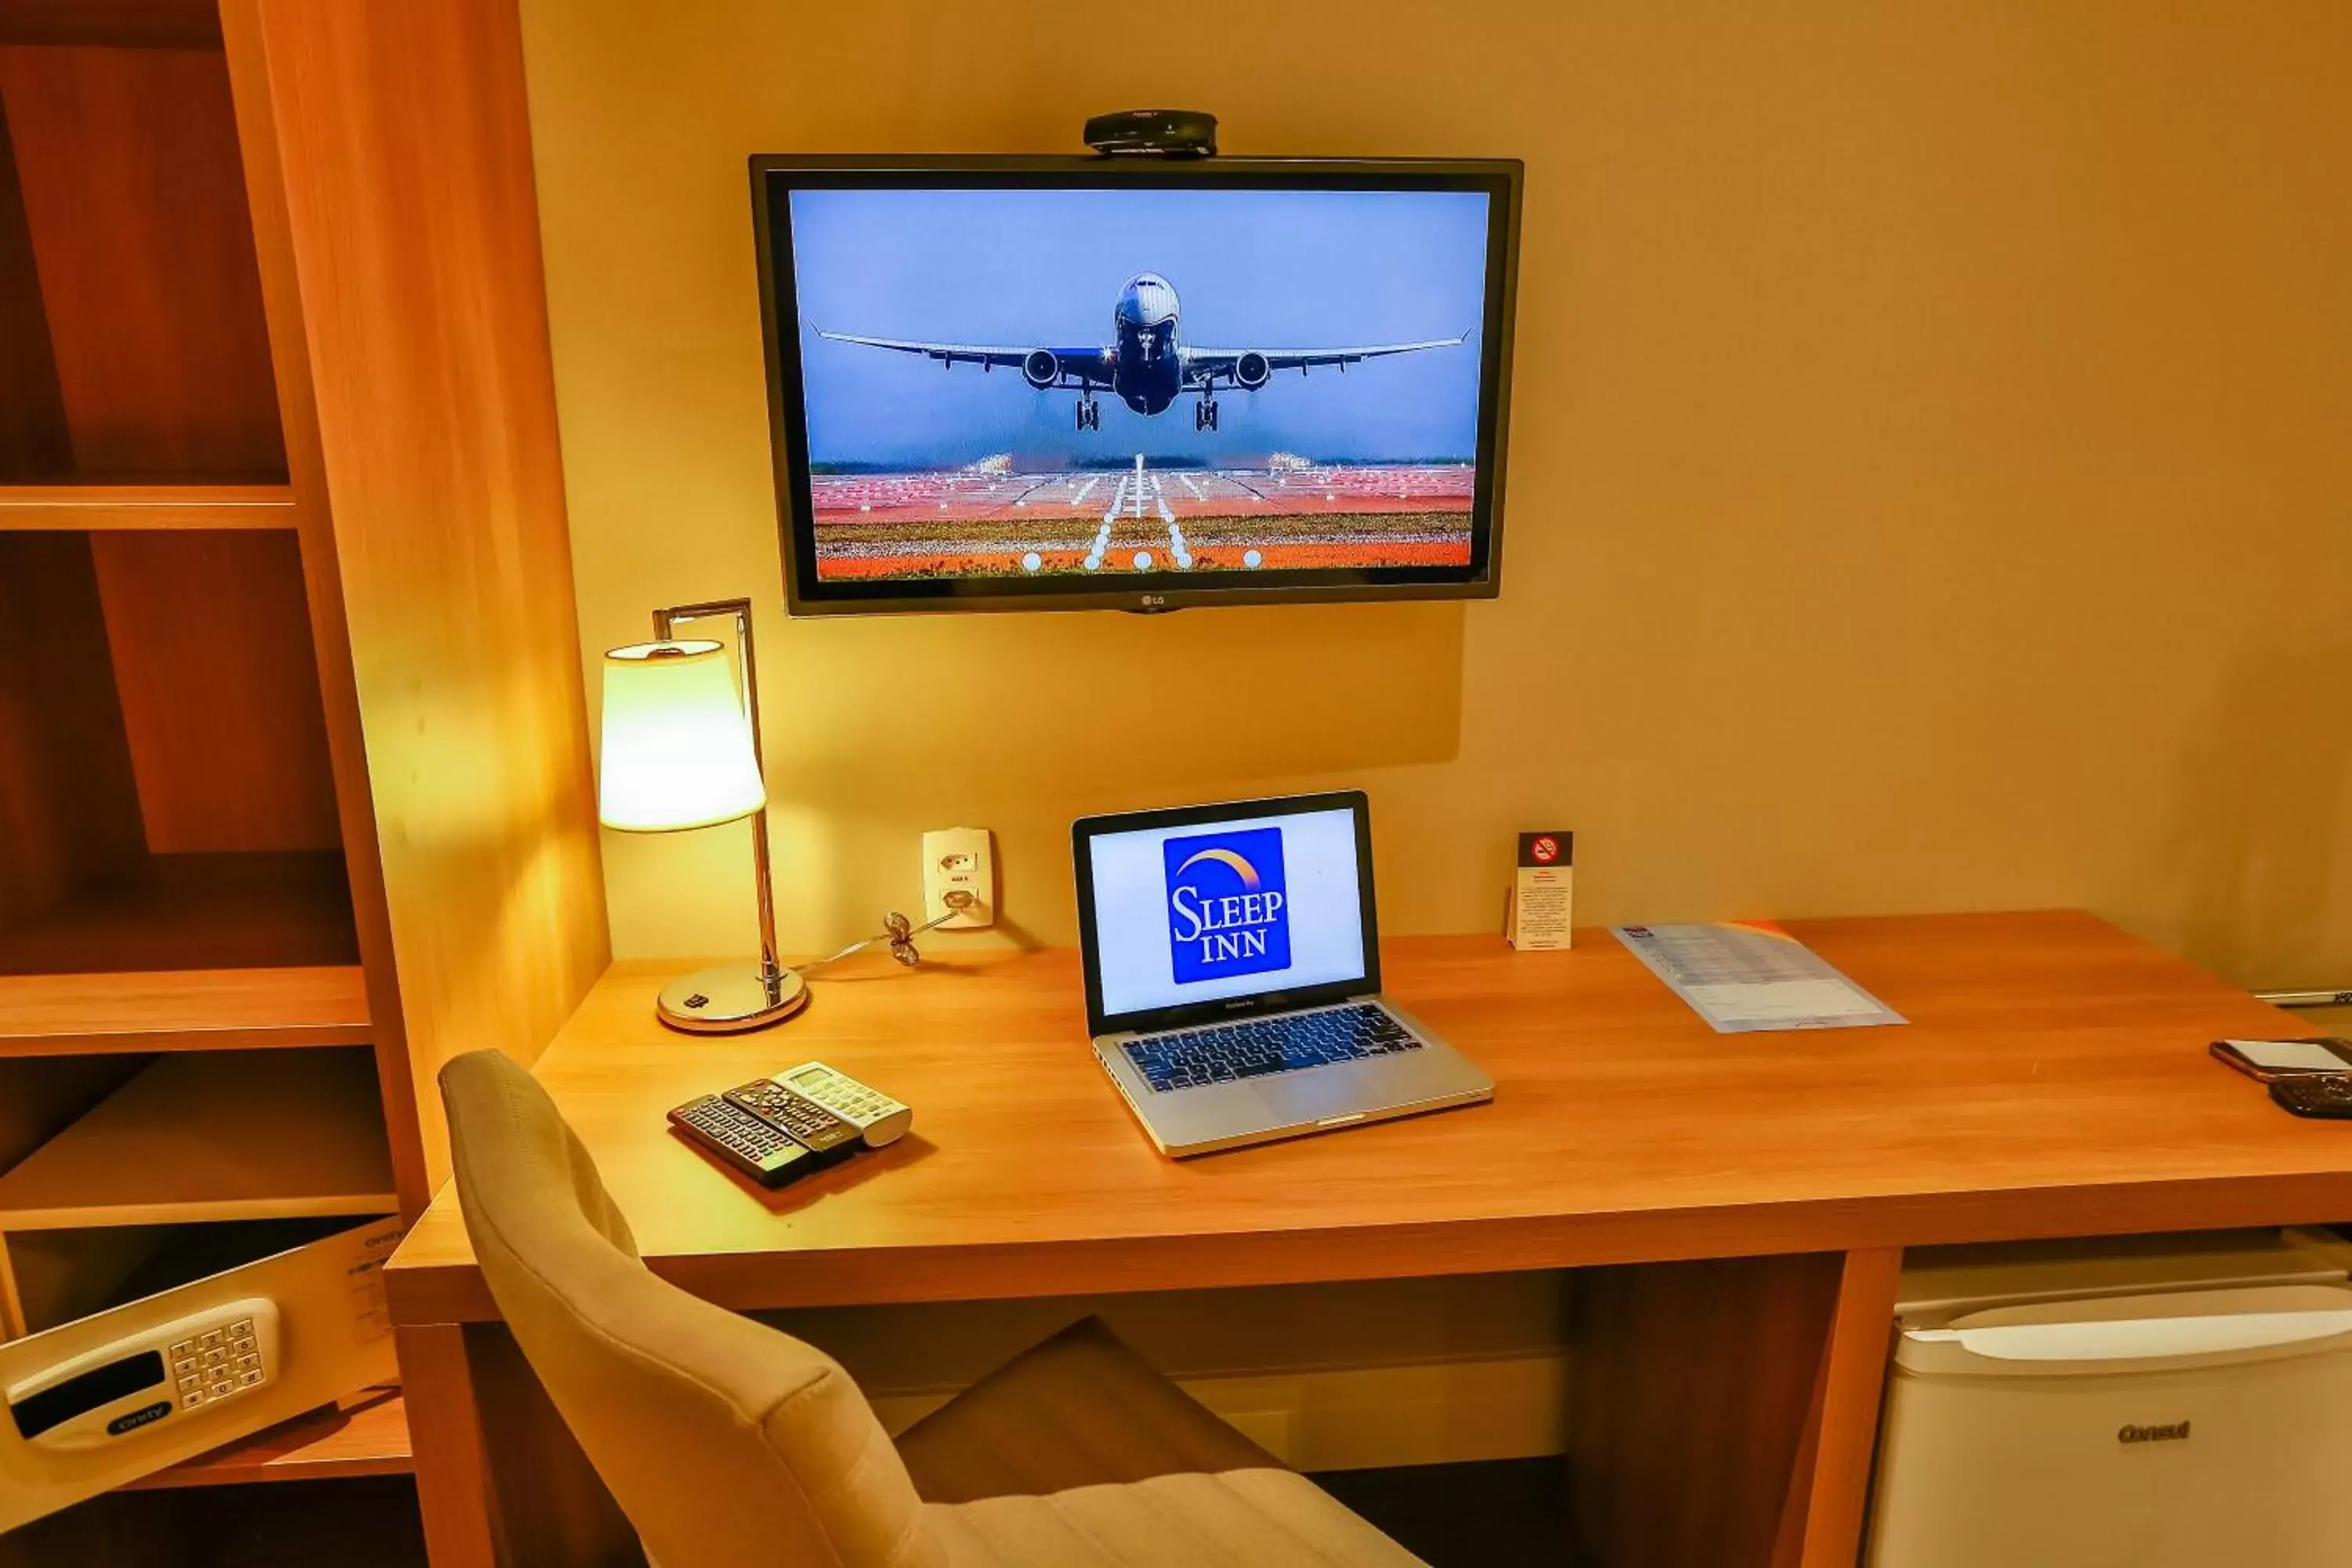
[[1228, 911]]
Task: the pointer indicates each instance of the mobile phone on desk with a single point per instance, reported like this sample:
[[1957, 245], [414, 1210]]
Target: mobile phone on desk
[[2324, 1095], [2271, 1060]]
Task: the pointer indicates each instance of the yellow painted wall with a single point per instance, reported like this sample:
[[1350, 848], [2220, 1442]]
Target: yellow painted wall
[[1931, 459]]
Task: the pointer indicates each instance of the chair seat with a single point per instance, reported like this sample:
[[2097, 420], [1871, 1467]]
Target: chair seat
[[1245, 1518], [1078, 1452]]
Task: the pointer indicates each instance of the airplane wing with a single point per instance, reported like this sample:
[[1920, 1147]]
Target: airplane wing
[[1209, 364], [1091, 363]]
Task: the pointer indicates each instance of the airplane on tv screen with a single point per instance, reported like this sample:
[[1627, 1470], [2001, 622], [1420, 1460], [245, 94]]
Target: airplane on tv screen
[[1148, 365]]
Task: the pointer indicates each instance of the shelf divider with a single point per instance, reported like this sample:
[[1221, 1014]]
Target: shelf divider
[[72, 508], [183, 1010], [366, 1436]]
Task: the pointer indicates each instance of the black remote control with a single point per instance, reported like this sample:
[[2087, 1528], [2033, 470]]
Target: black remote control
[[747, 1144], [827, 1136], [2327, 1095]]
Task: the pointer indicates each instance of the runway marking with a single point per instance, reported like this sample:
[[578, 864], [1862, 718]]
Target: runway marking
[[1189, 485], [1079, 500], [1117, 496]]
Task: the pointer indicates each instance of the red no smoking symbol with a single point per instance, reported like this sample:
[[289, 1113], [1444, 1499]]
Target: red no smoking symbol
[[1545, 849]]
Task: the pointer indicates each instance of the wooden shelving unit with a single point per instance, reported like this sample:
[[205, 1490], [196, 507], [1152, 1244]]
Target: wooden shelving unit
[[268, 280], [186, 1031], [183, 1010], [201, 1136], [367, 1436]]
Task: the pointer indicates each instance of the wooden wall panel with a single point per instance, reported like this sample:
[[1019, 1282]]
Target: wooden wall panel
[[357, 1522], [1692, 1388], [40, 1095], [69, 809], [61, 1275], [135, 199], [126, 24], [388, 152], [212, 659], [33, 442], [306, 467]]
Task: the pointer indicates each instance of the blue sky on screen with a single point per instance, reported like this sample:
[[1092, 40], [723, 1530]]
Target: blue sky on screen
[[1042, 269]]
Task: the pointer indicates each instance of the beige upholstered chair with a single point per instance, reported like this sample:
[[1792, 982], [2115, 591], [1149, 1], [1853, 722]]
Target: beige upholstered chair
[[728, 1443]]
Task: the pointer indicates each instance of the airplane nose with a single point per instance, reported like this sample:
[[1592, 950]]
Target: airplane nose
[[1147, 301]]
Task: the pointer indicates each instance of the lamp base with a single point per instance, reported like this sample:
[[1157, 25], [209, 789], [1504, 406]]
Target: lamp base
[[730, 1000]]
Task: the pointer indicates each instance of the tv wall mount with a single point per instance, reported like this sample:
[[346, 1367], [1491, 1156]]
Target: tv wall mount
[[1154, 133]]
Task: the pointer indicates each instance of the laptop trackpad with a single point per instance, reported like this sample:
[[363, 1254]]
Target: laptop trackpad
[[1319, 1092]]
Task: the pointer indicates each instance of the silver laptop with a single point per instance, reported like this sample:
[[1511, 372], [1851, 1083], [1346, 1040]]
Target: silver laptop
[[1233, 967]]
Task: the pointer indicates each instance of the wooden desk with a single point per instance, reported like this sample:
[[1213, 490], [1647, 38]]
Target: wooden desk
[[2052, 1081]]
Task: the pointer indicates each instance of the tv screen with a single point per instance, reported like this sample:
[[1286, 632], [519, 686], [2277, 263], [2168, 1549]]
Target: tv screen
[[1009, 384]]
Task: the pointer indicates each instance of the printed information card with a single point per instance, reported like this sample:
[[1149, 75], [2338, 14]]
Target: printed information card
[[1540, 912]]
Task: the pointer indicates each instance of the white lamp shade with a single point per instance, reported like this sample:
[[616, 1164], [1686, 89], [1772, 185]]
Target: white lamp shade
[[678, 745]]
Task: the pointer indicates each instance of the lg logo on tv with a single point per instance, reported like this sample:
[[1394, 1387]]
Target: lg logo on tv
[[1228, 910]]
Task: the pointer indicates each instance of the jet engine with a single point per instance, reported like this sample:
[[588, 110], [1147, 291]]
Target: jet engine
[[1040, 368], [1250, 370]]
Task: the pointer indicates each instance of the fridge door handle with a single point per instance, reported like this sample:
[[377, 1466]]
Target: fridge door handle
[[2140, 1339]]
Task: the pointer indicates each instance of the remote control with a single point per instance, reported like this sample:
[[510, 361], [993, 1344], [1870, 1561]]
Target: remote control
[[880, 1118], [747, 1144], [827, 1136], [2327, 1095]]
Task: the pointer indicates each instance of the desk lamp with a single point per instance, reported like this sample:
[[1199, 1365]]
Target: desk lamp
[[681, 752]]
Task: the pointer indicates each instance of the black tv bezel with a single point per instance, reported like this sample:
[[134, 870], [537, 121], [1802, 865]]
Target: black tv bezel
[[806, 595], [1083, 833]]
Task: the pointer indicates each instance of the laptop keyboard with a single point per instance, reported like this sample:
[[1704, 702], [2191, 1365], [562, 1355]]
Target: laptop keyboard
[[1255, 1046]]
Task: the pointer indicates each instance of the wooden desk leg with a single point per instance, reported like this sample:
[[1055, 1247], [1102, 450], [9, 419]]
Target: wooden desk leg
[[1820, 1525], [453, 1487]]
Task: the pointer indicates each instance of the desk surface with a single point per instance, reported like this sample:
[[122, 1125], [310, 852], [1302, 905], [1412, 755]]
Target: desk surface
[[2053, 1080]]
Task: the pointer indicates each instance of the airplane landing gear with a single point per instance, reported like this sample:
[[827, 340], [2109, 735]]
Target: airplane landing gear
[[1205, 415], [1089, 413]]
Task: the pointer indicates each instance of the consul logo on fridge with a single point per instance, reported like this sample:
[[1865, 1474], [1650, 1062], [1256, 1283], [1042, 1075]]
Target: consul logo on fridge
[[1228, 908]]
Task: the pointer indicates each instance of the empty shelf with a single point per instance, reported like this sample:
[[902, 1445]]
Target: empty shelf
[[215, 1135]]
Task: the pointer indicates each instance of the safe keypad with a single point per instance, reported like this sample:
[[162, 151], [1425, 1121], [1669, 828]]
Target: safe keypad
[[217, 1364]]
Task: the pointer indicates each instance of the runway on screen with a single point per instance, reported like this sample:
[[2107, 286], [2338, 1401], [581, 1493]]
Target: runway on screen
[[1142, 518]]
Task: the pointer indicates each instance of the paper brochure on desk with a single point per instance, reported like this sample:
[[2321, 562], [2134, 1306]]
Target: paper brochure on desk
[[1749, 976]]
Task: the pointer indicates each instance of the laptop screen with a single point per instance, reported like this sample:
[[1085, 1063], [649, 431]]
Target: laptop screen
[[1184, 908]]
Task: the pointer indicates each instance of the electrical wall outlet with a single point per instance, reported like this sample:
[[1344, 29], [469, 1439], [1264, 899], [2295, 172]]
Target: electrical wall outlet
[[961, 859]]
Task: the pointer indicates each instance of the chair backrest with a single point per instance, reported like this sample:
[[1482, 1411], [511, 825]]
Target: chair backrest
[[724, 1441]]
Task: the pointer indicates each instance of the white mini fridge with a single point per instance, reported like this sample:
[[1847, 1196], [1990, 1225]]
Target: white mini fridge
[[2165, 1403]]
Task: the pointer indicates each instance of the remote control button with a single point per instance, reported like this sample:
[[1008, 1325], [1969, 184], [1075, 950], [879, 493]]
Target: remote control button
[[249, 1379]]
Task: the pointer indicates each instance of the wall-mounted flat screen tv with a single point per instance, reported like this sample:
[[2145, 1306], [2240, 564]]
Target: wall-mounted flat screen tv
[[1136, 383]]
